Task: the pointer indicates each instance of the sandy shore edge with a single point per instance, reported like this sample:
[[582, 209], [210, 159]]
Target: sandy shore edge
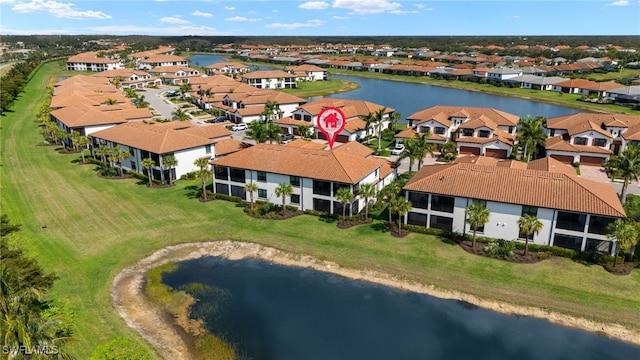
[[127, 293]]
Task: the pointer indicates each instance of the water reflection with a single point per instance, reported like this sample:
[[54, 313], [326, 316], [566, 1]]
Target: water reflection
[[278, 312]]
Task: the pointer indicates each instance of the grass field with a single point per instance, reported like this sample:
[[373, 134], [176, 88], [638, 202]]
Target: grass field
[[96, 227], [320, 88]]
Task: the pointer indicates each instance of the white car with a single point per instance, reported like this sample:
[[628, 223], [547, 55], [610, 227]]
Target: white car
[[397, 150], [239, 127]]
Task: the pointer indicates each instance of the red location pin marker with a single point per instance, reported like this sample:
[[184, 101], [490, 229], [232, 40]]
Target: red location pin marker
[[331, 121]]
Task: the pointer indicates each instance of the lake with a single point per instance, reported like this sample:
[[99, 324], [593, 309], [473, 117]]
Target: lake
[[407, 98], [274, 312]]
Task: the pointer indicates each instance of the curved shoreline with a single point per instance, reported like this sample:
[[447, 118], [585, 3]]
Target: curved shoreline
[[152, 323]]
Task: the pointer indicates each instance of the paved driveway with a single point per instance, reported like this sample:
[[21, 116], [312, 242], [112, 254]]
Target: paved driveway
[[157, 101], [596, 173]]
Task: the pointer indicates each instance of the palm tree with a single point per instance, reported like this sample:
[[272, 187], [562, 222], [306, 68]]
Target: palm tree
[[74, 136], [170, 161], [304, 130], [148, 164], [626, 166], [529, 224], [448, 151], [391, 192], [110, 101], [272, 132], [477, 216], [625, 233], [257, 131], [130, 93], [379, 116], [140, 102], [270, 109], [283, 190], [185, 87], [251, 188], [179, 115], [203, 174], [530, 134], [369, 120], [120, 155], [367, 191], [345, 197], [394, 118], [102, 151], [424, 148], [401, 206], [82, 143]]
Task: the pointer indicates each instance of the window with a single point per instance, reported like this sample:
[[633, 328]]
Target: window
[[295, 199], [440, 130], [567, 241], [417, 219], [237, 175], [262, 193], [580, 141], [322, 205], [600, 142], [599, 246], [479, 202], [262, 176], [484, 133], [511, 129], [294, 181], [307, 118], [529, 210], [297, 116], [221, 173], [467, 132], [442, 203], [425, 129], [321, 187], [419, 200], [598, 224], [238, 191], [570, 221], [222, 188], [207, 149], [441, 222]]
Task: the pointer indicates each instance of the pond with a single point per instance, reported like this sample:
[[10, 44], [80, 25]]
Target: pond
[[277, 312], [407, 98]]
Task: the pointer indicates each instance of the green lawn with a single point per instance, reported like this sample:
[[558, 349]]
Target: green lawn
[[96, 227], [320, 88]]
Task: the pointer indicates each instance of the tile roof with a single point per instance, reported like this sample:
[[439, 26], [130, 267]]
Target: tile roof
[[307, 144], [611, 120], [229, 146], [518, 186], [152, 138], [91, 57], [267, 74], [81, 115], [559, 144], [499, 117], [351, 108], [328, 165]]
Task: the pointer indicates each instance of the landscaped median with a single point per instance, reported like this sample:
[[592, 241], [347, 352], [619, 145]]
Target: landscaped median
[[88, 229]]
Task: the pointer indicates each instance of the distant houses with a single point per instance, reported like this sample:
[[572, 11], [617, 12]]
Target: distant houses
[[90, 61]]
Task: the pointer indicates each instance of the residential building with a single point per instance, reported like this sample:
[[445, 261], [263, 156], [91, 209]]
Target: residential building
[[354, 111], [156, 141], [307, 72], [250, 106], [152, 61], [574, 211], [315, 174], [174, 74], [130, 78], [227, 68], [476, 131], [270, 79], [90, 61]]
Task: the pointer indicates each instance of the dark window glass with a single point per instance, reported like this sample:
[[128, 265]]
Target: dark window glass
[[440, 130], [442, 203], [294, 181], [598, 224], [467, 132], [580, 141], [262, 193], [419, 200], [222, 188], [567, 241], [237, 175], [221, 172], [570, 221], [417, 219], [295, 199], [238, 191], [599, 142], [484, 133], [599, 246], [321, 187], [322, 205], [262, 176], [441, 222]]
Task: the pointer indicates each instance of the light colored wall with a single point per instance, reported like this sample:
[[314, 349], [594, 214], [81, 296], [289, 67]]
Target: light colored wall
[[187, 157]]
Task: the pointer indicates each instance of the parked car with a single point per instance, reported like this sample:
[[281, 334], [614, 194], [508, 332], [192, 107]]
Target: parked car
[[286, 138], [398, 149], [239, 127], [219, 119], [171, 93]]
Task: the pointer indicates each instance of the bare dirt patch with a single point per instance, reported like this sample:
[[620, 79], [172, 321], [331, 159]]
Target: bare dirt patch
[[160, 331]]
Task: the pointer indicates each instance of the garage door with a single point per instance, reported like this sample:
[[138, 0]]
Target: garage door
[[467, 150], [342, 139], [591, 160], [567, 159], [496, 153]]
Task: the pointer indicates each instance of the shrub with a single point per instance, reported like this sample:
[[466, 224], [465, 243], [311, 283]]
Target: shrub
[[315, 212], [291, 208], [189, 176], [139, 176], [235, 199], [502, 248], [387, 135]]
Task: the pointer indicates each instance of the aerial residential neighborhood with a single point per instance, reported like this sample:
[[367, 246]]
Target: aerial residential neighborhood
[[139, 169]]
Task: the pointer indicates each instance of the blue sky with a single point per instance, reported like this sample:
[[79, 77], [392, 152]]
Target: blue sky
[[323, 17]]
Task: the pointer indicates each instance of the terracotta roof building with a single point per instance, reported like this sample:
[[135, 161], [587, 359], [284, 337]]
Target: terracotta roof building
[[315, 174], [574, 211]]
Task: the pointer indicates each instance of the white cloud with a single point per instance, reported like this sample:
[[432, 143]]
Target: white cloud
[[6, 2], [620, 3], [364, 7], [172, 30], [57, 9], [200, 13], [514, 17], [422, 7], [314, 5], [230, 8], [340, 17], [310, 23], [398, 12], [242, 18], [173, 20]]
